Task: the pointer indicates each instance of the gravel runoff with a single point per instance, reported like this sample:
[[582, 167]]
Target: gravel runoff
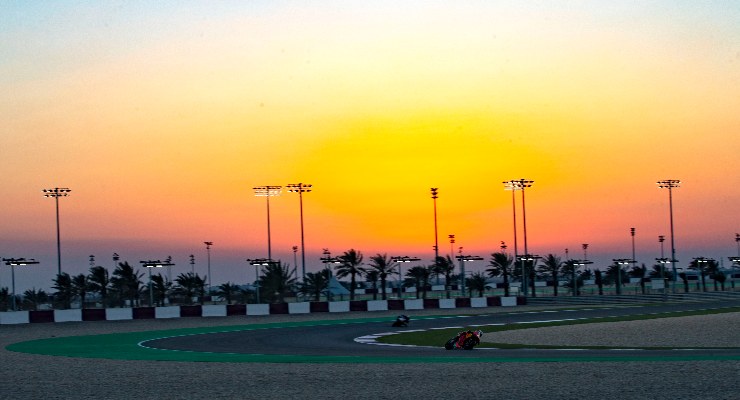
[[716, 330], [27, 376]]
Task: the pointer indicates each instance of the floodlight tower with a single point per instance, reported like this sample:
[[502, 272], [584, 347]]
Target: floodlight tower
[[267, 192], [670, 184], [56, 193], [436, 240], [301, 188]]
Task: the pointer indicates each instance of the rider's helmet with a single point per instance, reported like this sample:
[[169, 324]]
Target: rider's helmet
[[479, 333]]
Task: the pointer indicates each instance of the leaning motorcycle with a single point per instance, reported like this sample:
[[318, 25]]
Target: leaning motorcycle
[[401, 321], [464, 340]]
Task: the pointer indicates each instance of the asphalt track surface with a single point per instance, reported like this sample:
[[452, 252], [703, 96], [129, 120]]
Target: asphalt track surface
[[353, 341]]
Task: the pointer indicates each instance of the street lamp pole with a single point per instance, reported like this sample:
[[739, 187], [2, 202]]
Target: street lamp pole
[[12, 262], [300, 188], [149, 265], [436, 241], [208, 251], [619, 262], [400, 260], [514, 185], [509, 185], [452, 242], [670, 184], [257, 262], [462, 260], [632, 233], [267, 192], [56, 193]]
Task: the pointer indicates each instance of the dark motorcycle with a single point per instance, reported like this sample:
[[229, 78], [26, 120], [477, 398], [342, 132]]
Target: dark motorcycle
[[464, 340], [401, 321]]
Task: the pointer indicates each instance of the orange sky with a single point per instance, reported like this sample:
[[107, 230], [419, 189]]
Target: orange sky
[[162, 117]]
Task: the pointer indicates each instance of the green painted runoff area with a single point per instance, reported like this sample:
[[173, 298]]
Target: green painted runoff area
[[125, 346]]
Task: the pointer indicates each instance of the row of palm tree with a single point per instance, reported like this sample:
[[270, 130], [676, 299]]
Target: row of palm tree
[[125, 286]]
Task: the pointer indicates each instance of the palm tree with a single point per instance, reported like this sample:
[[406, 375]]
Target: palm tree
[[80, 287], [702, 268], [611, 276], [32, 298], [658, 271], [477, 281], [639, 272], [127, 283], [227, 291], [64, 290], [419, 276], [372, 277], [599, 281], [4, 299], [384, 266], [276, 281], [351, 265], [315, 284], [685, 279], [569, 269], [445, 266], [551, 265], [190, 285], [718, 277], [99, 282], [161, 288], [501, 264]]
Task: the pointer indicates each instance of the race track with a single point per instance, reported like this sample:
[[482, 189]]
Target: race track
[[354, 340]]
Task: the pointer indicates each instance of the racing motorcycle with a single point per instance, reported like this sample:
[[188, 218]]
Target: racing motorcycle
[[464, 340], [401, 321]]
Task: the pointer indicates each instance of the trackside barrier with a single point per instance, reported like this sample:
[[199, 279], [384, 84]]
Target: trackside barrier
[[213, 310], [377, 305], [510, 301], [478, 302], [68, 315], [299, 308], [93, 314], [14, 317], [167, 312], [258, 309], [116, 314], [339, 306], [191, 311], [319, 306], [41, 316], [446, 303], [219, 310], [414, 304]]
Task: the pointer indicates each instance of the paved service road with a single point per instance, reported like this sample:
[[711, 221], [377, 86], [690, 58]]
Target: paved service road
[[338, 339]]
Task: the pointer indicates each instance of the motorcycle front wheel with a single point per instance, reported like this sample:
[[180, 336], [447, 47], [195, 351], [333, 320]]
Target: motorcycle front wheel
[[469, 344]]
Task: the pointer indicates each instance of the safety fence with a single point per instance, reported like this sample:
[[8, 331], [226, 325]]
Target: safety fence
[[225, 310]]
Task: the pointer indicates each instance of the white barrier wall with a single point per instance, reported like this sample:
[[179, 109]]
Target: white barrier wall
[[73, 315], [166, 312], [14, 317], [446, 303], [339, 306], [413, 304], [299, 308], [214, 310], [508, 301], [377, 305], [258, 309], [478, 302], [116, 314]]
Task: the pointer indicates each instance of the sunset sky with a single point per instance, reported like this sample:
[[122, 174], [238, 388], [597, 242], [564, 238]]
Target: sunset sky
[[161, 117]]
